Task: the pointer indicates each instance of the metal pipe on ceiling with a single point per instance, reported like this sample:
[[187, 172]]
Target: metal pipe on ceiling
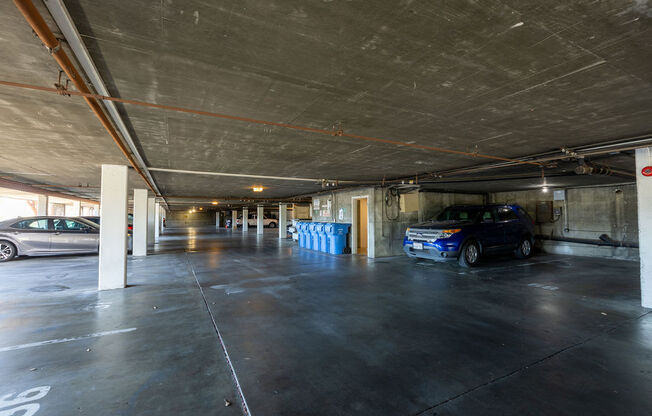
[[338, 133], [241, 175], [38, 25], [62, 18]]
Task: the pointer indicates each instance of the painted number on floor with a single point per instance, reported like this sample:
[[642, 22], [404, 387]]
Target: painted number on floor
[[23, 404]]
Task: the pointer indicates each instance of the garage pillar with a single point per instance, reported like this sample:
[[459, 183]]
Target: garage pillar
[[217, 219], [234, 217], [42, 205], [644, 197], [157, 221], [245, 219], [260, 216], [151, 219], [75, 209], [113, 228], [139, 235], [282, 220]]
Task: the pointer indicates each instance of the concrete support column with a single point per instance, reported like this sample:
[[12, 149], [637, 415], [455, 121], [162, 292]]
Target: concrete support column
[[42, 205], [157, 221], [151, 219], [282, 221], [245, 219], [644, 197], [218, 214], [260, 216], [113, 228], [234, 217], [74, 210], [139, 235]]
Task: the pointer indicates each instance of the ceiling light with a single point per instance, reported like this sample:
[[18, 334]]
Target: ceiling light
[[201, 209], [214, 202], [258, 189]]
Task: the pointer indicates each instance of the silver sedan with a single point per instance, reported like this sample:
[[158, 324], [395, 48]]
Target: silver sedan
[[39, 236]]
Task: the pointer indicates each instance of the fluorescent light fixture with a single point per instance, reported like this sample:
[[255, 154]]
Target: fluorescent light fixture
[[258, 189], [214, 202]]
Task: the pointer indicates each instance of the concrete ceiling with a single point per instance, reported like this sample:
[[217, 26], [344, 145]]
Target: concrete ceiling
[[507, 78]]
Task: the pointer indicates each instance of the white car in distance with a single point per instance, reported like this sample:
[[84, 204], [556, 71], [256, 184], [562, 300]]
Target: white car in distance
[[253, 221]]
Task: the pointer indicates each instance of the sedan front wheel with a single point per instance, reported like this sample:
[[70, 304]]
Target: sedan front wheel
[[7, 250]]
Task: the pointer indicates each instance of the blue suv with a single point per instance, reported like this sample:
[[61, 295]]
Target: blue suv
[[466, 232]]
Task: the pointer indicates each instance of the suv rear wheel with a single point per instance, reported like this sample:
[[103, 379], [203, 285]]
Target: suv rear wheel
[[272, 225], [469, 255], [524, 249], [7, 250]]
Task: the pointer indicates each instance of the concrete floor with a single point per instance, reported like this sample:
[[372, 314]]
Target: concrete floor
[[314, 334]]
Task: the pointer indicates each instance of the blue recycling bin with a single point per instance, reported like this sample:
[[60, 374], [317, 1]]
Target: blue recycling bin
[[312, 237], [304, 235], [323, 237], [299, 227], [337, 237]]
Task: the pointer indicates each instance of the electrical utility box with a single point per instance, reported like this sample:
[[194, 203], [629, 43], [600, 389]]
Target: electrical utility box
[[409, 202]]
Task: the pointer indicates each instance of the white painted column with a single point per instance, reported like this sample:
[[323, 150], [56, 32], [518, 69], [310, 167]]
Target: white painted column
[[113, 228], [217, 218], [74, 210], [282, 220], [260, 224], [245, 219], [139, 235], [151, 219], [157, 221], [234, 216], [644, 197], [42, 205]]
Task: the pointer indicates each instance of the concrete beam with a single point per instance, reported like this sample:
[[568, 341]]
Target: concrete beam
[[139, 236], [19, 186], [113, 228], [260, 224], [644, 198]]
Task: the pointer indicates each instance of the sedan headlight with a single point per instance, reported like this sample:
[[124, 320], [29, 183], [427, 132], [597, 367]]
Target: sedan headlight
[[449, 233]]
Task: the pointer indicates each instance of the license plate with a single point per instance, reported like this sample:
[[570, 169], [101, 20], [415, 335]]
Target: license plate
[[417, 246]]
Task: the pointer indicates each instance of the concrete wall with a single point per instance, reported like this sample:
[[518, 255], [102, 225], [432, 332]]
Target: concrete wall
[[387, 222], [587, 213], [187, 219]]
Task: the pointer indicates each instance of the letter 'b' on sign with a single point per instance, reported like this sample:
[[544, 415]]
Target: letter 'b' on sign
[[647, 171]]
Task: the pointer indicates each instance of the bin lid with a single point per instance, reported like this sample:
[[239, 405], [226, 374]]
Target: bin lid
[[340, 228]]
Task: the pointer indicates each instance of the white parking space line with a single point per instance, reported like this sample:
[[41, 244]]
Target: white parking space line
[[59, 341]]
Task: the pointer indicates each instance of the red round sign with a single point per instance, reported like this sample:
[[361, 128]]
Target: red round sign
[[647, 171]]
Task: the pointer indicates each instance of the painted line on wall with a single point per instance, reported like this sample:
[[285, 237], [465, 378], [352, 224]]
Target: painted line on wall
[[245, 407], [61, 340]]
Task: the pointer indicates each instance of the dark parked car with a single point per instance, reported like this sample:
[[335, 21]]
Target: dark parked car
[[467, 232]]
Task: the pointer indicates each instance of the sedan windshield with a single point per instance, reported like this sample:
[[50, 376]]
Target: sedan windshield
[[458, 214]]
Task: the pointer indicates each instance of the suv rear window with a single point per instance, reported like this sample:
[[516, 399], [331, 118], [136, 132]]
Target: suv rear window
[[506, 214], [458, 214]]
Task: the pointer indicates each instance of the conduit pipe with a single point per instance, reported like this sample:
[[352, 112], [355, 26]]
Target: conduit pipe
[[241, 175], [38, 25], [73, 38]]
